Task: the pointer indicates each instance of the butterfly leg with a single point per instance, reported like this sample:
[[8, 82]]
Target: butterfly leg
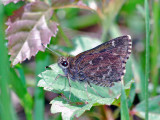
[[60, 75], [94, 89], [69, 87], [86, 85]]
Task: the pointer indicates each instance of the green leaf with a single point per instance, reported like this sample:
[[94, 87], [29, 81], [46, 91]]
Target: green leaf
[[139, 78], [78, 92], [132, 95], [68, 110], [124, 106], [153, 108]]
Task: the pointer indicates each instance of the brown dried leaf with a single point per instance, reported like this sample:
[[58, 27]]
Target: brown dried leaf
[[27, 32]]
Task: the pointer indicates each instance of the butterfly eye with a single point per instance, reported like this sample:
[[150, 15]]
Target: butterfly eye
[[64, 63]]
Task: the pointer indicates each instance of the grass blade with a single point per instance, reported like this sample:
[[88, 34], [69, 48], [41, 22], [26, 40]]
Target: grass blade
[[21, 91], [147, 57], [124, 106], [41, 63], [22, 75], [155, 46], [6, 108]]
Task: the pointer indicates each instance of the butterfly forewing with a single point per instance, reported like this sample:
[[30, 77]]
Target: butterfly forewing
[[103, 64]]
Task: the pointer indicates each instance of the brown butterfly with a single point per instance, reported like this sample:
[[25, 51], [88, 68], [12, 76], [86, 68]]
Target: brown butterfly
[[102, 65]]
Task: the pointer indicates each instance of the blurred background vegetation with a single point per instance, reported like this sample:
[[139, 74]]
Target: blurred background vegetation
[[18, 85]]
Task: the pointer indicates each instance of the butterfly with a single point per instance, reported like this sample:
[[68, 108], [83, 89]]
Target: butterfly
[[102, 65]]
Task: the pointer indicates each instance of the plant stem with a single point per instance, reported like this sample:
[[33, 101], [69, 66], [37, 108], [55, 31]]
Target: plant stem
[[65, 38], [147, 57]]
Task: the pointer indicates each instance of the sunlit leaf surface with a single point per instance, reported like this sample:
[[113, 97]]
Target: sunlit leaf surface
[[79, 101], [153, 109], [28, 29]]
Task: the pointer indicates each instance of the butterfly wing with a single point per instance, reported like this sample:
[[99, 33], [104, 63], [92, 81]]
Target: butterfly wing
[[103, 64]]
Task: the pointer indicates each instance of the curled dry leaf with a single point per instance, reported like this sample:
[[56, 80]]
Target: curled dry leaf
[[28, 29]]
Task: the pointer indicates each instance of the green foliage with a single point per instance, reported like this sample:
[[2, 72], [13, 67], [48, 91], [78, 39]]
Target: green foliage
[[111, 19], [153, 108]]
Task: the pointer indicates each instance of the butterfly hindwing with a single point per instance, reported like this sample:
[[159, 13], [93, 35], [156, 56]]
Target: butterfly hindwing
[[103, 64]]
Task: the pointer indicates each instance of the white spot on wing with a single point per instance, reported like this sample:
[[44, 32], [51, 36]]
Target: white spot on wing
[[130, 47], [115, 54], [129, 37], [129, 50], [92, 73], [113, 43], [101, 57], [90, 62], [124, 71], [97, 68], [103, 77], [109, 70], [122, 77], [130, 42]]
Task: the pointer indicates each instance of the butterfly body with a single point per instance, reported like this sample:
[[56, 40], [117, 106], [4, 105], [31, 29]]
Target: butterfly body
[[101, 65]]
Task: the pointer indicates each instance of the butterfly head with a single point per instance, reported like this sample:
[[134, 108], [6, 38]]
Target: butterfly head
[[63, 62]]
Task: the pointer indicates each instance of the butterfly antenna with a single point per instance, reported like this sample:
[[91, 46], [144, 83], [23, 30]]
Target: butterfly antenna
[[52, 50]]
